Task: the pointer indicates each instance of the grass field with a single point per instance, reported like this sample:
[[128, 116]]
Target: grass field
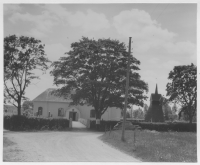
[[153, 146]]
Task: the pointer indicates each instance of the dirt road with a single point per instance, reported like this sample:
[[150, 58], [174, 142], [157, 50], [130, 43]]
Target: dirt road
[[60, 147]]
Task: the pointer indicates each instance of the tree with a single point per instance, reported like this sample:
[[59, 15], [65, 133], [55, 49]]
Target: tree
[[174, 109], [27, 105], [165, 107], [183, 88], [22, 55], [128, 114], [183, 116], [167, 111], [138, 114], [145, 109], [96, 71]]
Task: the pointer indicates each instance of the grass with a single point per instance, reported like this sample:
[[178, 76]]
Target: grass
[[7, 142], [153, 146]]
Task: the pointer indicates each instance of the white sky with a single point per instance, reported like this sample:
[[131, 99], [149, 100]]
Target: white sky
[[164, 35]]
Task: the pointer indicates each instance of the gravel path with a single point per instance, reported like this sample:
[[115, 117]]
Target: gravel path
[[78, 146]]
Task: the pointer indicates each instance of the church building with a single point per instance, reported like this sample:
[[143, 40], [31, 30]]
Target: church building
[[155, 112], [48, 105]]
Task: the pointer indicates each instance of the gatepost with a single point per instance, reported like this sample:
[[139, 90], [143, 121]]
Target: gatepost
[[70, 123], [88, 123]]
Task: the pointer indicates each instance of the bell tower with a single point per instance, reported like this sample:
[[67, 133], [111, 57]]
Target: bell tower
[[155, 112]]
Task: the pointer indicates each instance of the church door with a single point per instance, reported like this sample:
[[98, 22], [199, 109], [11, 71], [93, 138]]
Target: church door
[[73, 115]]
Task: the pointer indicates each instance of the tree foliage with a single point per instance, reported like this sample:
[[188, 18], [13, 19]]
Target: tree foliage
[[138, 114], [22, 55], [27, 105], [183, 88], [167, 111], [146, 107], [96, 71], [128, 115]]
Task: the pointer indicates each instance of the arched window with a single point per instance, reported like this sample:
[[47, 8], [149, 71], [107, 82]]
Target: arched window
[[60, 112], [92, 113], [40, 109]]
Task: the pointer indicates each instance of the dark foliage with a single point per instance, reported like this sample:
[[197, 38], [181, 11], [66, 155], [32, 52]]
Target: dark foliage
[[104, 125], [22, 123], [183, 88], [178, 127]]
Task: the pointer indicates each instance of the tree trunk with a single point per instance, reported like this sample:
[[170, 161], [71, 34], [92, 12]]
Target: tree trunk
[[98, 115], [19, 108], [190, 114], [190, 119]]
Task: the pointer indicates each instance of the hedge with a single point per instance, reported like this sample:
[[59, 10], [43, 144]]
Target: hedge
[[103, 125], [21, 123], [178, 127]]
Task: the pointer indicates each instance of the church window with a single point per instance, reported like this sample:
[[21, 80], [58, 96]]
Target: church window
[[40, 109], [60, 112]]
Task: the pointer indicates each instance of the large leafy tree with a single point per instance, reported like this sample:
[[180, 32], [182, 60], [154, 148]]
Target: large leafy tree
[[22, 55], [183, 88], [96, 71]]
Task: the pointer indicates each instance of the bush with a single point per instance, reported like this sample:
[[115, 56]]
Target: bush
[[6, 122], [21, 123], [103, 125], [178, 127]]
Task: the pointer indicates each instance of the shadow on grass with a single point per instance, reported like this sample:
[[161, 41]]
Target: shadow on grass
[[153, 146]]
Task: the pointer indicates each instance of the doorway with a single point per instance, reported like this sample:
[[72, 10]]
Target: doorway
[[73, 116]]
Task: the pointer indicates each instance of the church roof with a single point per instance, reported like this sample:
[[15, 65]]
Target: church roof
[[48, 96], [155, 96]]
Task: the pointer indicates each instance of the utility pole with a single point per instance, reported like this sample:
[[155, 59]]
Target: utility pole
[[126, 94]]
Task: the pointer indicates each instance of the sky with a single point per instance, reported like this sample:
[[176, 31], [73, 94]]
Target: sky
[[164, 35]]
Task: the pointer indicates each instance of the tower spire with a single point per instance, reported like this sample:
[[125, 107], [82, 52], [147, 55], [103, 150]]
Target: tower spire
[[156, 92]]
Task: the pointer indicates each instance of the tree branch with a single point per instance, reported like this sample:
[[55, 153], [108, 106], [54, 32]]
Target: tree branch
[[106, 107], [17, 81], [7, 90], [14, 86]]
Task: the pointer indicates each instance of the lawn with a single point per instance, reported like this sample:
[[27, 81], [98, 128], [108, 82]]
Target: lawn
[[153, 146]]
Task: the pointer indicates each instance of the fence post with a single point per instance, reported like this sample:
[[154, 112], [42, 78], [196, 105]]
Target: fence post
[[134, 140], [70, 123]]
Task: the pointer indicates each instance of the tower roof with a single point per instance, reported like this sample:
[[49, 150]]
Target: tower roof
[[155, 96], [156, 92]]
